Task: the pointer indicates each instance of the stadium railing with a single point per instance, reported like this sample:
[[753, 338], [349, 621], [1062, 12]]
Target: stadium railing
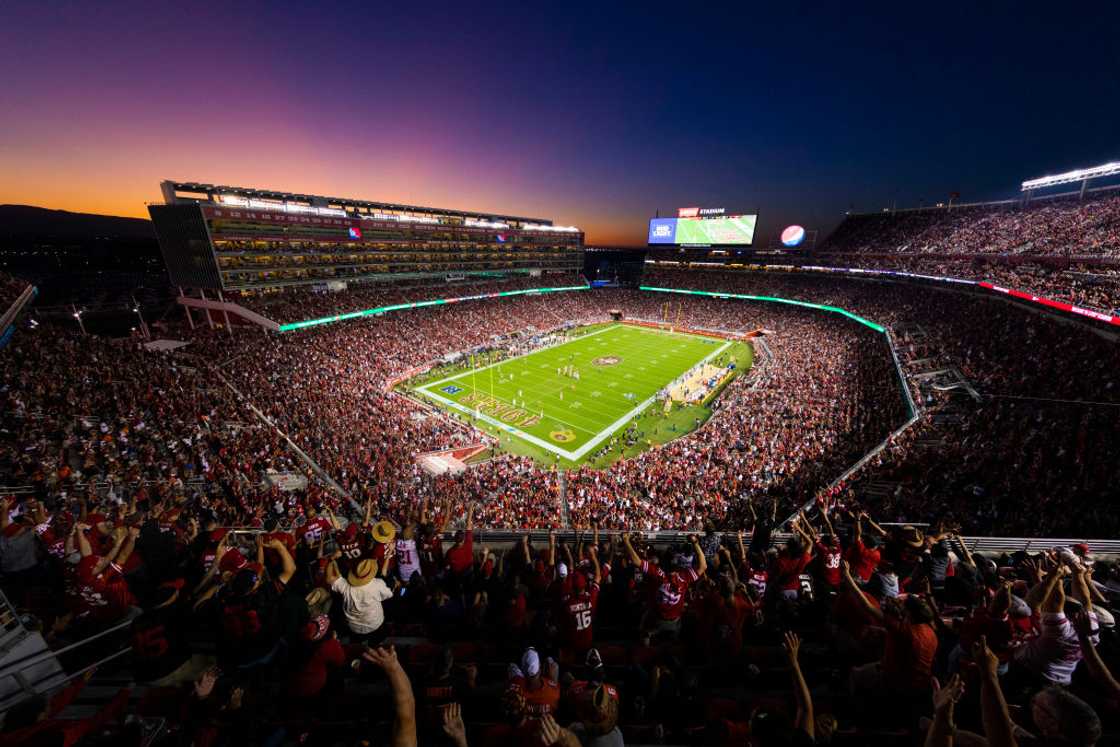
[[44, 670], [504, 538], [7, 320]]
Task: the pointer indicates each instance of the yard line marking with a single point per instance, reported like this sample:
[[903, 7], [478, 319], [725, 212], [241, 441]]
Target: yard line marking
[[507, 428], [536, 404], [638, 346], [626, 418], [523, 355]]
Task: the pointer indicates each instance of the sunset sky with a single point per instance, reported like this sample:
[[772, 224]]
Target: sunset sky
[[592, 114]]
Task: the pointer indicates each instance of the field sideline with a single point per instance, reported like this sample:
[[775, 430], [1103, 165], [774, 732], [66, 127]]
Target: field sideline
[[534, 398]]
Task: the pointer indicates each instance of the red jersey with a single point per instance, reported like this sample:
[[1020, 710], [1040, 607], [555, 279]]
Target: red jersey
[[756, 579], [670, 591], [828, 564], [314, 529], [578, 612], [545, 699], [350, 543], [105, 595]]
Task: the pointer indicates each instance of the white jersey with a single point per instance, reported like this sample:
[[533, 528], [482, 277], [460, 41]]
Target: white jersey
[[408, 560]]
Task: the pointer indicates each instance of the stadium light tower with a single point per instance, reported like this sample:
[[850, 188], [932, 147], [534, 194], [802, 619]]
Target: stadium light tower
[[1071, 177]]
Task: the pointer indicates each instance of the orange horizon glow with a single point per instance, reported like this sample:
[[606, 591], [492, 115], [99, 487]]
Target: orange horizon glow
[[133, 193]]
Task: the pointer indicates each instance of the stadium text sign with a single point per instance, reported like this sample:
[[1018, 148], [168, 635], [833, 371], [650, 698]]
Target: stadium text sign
[[695, 212]]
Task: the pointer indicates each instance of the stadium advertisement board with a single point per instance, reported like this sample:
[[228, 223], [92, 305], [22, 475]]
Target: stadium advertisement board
[[770, 299], [420, 304], [1060, 305], [730, 230]]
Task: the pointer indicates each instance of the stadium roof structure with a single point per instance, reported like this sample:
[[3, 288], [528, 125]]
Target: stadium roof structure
[[214, 193], [1070, 177]]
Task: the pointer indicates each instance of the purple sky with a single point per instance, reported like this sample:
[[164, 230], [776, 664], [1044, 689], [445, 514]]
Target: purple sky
[[594, 116]]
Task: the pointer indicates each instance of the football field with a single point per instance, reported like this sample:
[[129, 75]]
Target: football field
[[536, 397]]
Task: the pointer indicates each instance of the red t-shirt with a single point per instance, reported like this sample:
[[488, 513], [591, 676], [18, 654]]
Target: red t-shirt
[[999, 632], [309, 680], [516, 612], [285, 537], [850, 616], [908, 655], [727, 620], [670, 589], [431, 554], [461, 557], [787, 571], [863, 559]]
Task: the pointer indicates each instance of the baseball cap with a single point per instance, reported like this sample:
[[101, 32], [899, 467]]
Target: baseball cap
[[1082, 551], [531, 662], [232, 562]]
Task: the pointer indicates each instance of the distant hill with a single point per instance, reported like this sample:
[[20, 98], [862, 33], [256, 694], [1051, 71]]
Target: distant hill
[[28, 222]]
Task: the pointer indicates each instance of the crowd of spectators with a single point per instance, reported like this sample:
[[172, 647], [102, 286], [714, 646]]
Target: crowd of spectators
[[325, 390], [1064, 248], [1067, 226], [1036, 455], [347, 629], [293, 304], [10, 288], [1094, 286], [823, 393], [132, 466]]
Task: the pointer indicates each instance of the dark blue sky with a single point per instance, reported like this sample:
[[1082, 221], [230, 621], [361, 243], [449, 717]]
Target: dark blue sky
[[594, 114]]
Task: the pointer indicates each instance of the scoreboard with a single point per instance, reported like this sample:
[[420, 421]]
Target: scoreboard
[[703, 227]]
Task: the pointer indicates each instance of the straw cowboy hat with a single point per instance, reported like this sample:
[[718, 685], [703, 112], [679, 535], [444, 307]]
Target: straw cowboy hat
[[913, 537], [598, 709], [318, 601], [363, 573], [383, 532]]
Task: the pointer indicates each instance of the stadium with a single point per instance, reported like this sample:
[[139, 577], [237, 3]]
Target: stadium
[[368, 470]]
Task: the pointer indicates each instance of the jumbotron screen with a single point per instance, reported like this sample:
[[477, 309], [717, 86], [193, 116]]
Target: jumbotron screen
[[733, 230]]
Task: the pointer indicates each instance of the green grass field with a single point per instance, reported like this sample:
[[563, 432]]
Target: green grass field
[[540, 410]]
